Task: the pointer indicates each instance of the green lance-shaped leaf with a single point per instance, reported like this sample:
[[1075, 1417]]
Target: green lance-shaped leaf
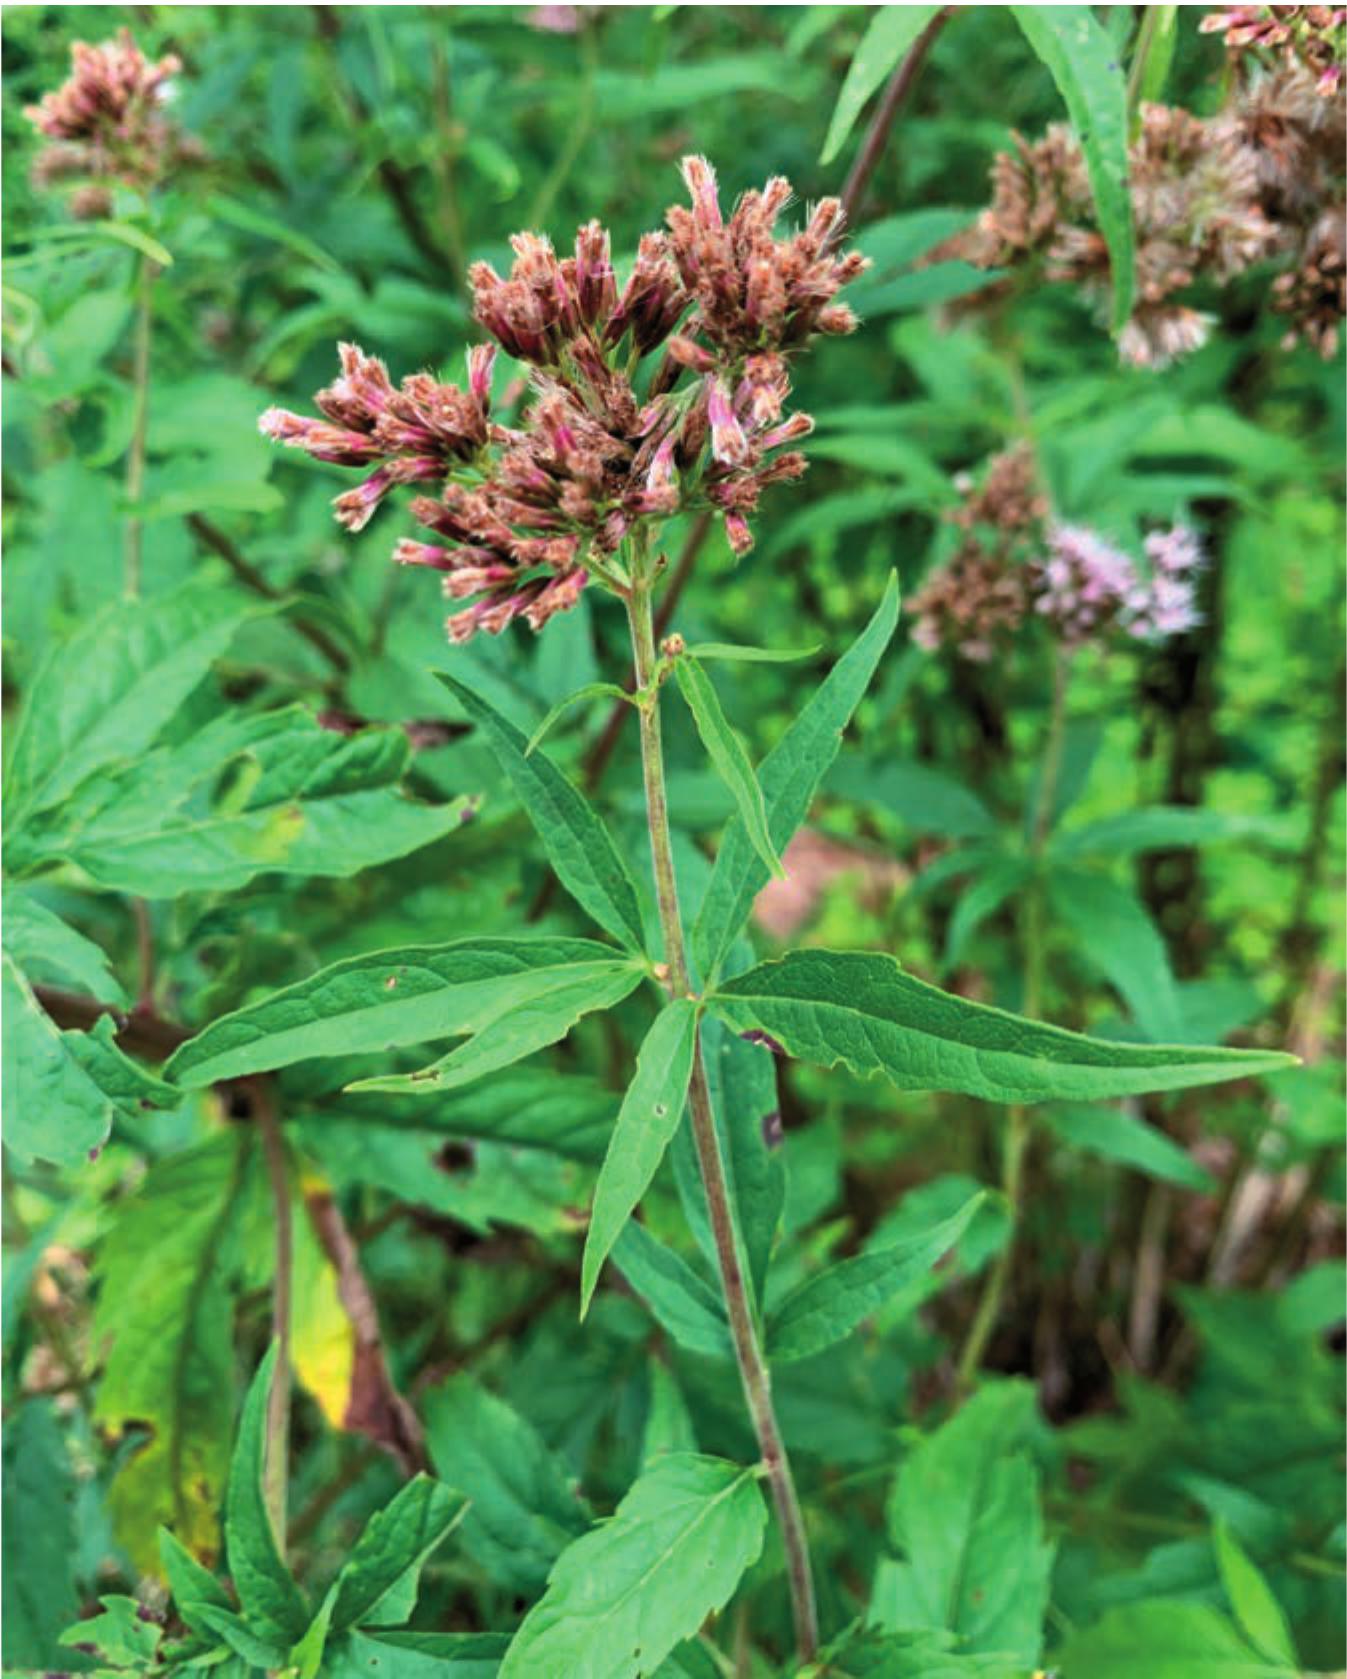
[[102, 697], [965, 1515], [524, 1511], [272, 1605], [728, 758], [789, 777], [1160, 828], [387, 1000], [590, 691], [1165, 1638], [646, 1122], [732, 652], [682, 1303], [620, 1598], [1113, 1135], [189, 1582], [532, 1025], [578, 845], [863, 1011], [1084, 65], [378, 1580], [1114, 934], [1256, 1609], [892, 31], [828, 1307]]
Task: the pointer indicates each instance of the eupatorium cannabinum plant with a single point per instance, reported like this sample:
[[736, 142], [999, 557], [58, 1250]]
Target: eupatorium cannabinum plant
[[653, 395]]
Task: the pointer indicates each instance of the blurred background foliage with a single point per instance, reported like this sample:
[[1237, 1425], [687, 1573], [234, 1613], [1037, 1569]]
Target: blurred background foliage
[[1177, 1291]]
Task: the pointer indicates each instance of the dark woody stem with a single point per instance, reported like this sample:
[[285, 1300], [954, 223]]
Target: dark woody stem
[[748, 1352]]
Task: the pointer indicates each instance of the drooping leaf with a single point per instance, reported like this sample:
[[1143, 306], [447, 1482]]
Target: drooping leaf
[[50, 950], [102, 697], [1179, 1639], [683, 1305], [382, 1001], [965, 1515], [322, 1336], [1256, 1609], [789, 777], [728, 757], [168, 1348], [272, 1605], [862, 1010], [377, 1583], [243, 796], [621, 1597], [828, 1307], [646, 1122], [1115, 934], [891, 31], [542, 1019], [523, 1511], [578, 845], [1113, 1134], [1085, 67]]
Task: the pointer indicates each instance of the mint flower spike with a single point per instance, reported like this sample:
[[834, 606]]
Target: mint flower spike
[[526, 515]]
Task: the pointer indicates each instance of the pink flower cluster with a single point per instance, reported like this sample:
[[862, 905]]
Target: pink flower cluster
[[105, 123], [528, 514]]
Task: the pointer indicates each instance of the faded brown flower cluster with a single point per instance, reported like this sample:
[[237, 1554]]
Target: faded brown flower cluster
[[106, 126], [1261, 180], [1312, 36], [1013, 564], [663, 394]]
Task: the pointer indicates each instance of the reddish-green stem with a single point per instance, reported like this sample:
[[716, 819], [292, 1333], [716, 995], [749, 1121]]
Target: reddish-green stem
[[753, 1371]]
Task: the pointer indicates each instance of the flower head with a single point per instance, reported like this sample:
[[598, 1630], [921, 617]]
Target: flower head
[[525, 515], [105, 122]]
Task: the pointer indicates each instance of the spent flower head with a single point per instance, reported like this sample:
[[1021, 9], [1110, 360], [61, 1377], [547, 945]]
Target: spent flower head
[[105, 124], [662, 394]]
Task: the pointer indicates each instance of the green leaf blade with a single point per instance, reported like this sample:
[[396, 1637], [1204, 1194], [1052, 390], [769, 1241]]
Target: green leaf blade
[[863, 1011], [1082, 62], [891, 31], [789, 777], [646, 1122], [826, 1308], [728, 758], [389, 1553], [577, 843], [620, 1598], [388, 999], [272, 1605]]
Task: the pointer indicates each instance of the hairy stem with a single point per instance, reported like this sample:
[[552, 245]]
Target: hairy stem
[[276, 1471], [1018, 1125], [133, 536], [748, 1353]]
